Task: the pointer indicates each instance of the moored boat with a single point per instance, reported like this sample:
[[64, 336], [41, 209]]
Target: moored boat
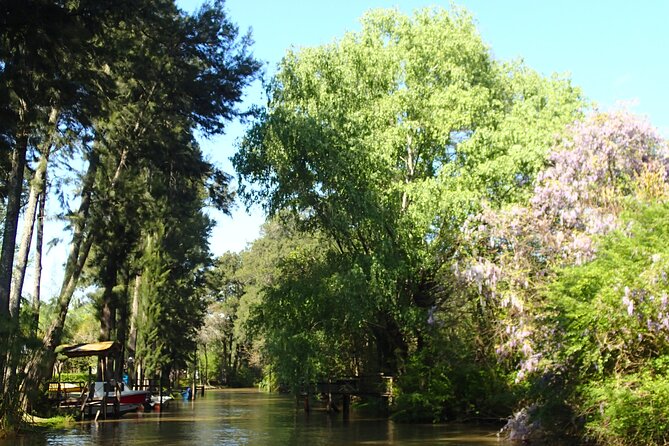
[[160, 402], [138, 397]]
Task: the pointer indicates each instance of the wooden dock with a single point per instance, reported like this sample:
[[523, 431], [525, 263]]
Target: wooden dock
[[81, 398], [376, 386]]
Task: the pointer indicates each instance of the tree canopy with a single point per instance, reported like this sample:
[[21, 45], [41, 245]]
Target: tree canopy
[[384, 142]]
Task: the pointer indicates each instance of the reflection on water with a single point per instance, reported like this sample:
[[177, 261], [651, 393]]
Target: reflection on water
[[249, 417]]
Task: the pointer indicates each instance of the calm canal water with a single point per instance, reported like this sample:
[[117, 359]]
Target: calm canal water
[[252, 418]]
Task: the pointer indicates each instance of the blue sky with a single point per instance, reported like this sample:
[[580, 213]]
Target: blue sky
[[614, 50]]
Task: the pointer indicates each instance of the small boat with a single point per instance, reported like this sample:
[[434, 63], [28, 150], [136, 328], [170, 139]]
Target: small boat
[[62, 391], [160, 402], [137, 397]]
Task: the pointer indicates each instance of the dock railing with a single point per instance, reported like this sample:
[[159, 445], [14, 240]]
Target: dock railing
[[376, 385]]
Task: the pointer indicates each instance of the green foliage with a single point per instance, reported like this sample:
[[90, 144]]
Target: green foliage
[[150, 343], [172, 299], [79, 377], [612, 312], [630, 409], [456, 375], [56, 422], [300, 321], [426, 391], [123, 88], [225, 333], [269, 381], [382, 143], [83, 323], [606, 357]]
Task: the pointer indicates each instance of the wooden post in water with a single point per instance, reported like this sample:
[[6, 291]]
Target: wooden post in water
[[117, 400], [160, 390], [346, 403], [194, 388], [329, 403], [307, 408], [139, 375], [389, 392], [91, 391], [103, 408]]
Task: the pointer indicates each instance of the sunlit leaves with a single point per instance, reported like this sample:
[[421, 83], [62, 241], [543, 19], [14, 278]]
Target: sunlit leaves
[[385, 141]]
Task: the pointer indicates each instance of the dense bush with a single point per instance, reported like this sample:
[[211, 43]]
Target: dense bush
[[628, 409], [74, 377], [611, 319], [425, 391]]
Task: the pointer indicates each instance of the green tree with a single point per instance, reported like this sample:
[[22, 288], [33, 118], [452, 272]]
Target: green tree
[[218, 335], [123, 92], [172, 301], [610, 323], [183, 73], [572, 306], [384, 142], [47, 51]]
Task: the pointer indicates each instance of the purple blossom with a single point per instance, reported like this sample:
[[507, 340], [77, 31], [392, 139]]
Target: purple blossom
[[593, 170]]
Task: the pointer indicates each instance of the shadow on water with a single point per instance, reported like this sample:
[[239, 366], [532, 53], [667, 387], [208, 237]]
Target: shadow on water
[[249, 417]]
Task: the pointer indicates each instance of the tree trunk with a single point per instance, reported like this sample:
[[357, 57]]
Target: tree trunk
[[37, 187], [114, 326], [226, 360], [206, 364], [11, 223], [79, 249], [392, 349], [107, 310], [7, 325], [39, 243], [107, 316], [122, 326], [40, 368], [81, 244], [235, 364]]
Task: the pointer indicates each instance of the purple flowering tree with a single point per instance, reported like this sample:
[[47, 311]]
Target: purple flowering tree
[[600, 166]]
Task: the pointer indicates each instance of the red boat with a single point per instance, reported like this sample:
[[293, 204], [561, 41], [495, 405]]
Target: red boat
[[138, 397]]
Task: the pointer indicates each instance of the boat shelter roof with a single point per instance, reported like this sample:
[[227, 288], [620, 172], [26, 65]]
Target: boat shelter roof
[[106, 348]]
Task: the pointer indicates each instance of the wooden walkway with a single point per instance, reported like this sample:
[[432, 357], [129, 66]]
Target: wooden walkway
[[377, 386], [364, 385]]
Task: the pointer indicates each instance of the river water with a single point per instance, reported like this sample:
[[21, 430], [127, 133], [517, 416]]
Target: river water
[[252, 418]]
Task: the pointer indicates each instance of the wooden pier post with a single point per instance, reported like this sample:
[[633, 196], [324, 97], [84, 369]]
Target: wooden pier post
[[103, 407], [346, 404], [117, 400], [160, 390]]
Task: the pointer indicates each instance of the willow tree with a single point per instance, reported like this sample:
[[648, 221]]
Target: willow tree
[[384, 141]]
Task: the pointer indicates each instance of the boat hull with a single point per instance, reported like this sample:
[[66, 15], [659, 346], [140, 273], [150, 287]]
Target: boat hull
[[110, 410], [126, 396], [134, 397]]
